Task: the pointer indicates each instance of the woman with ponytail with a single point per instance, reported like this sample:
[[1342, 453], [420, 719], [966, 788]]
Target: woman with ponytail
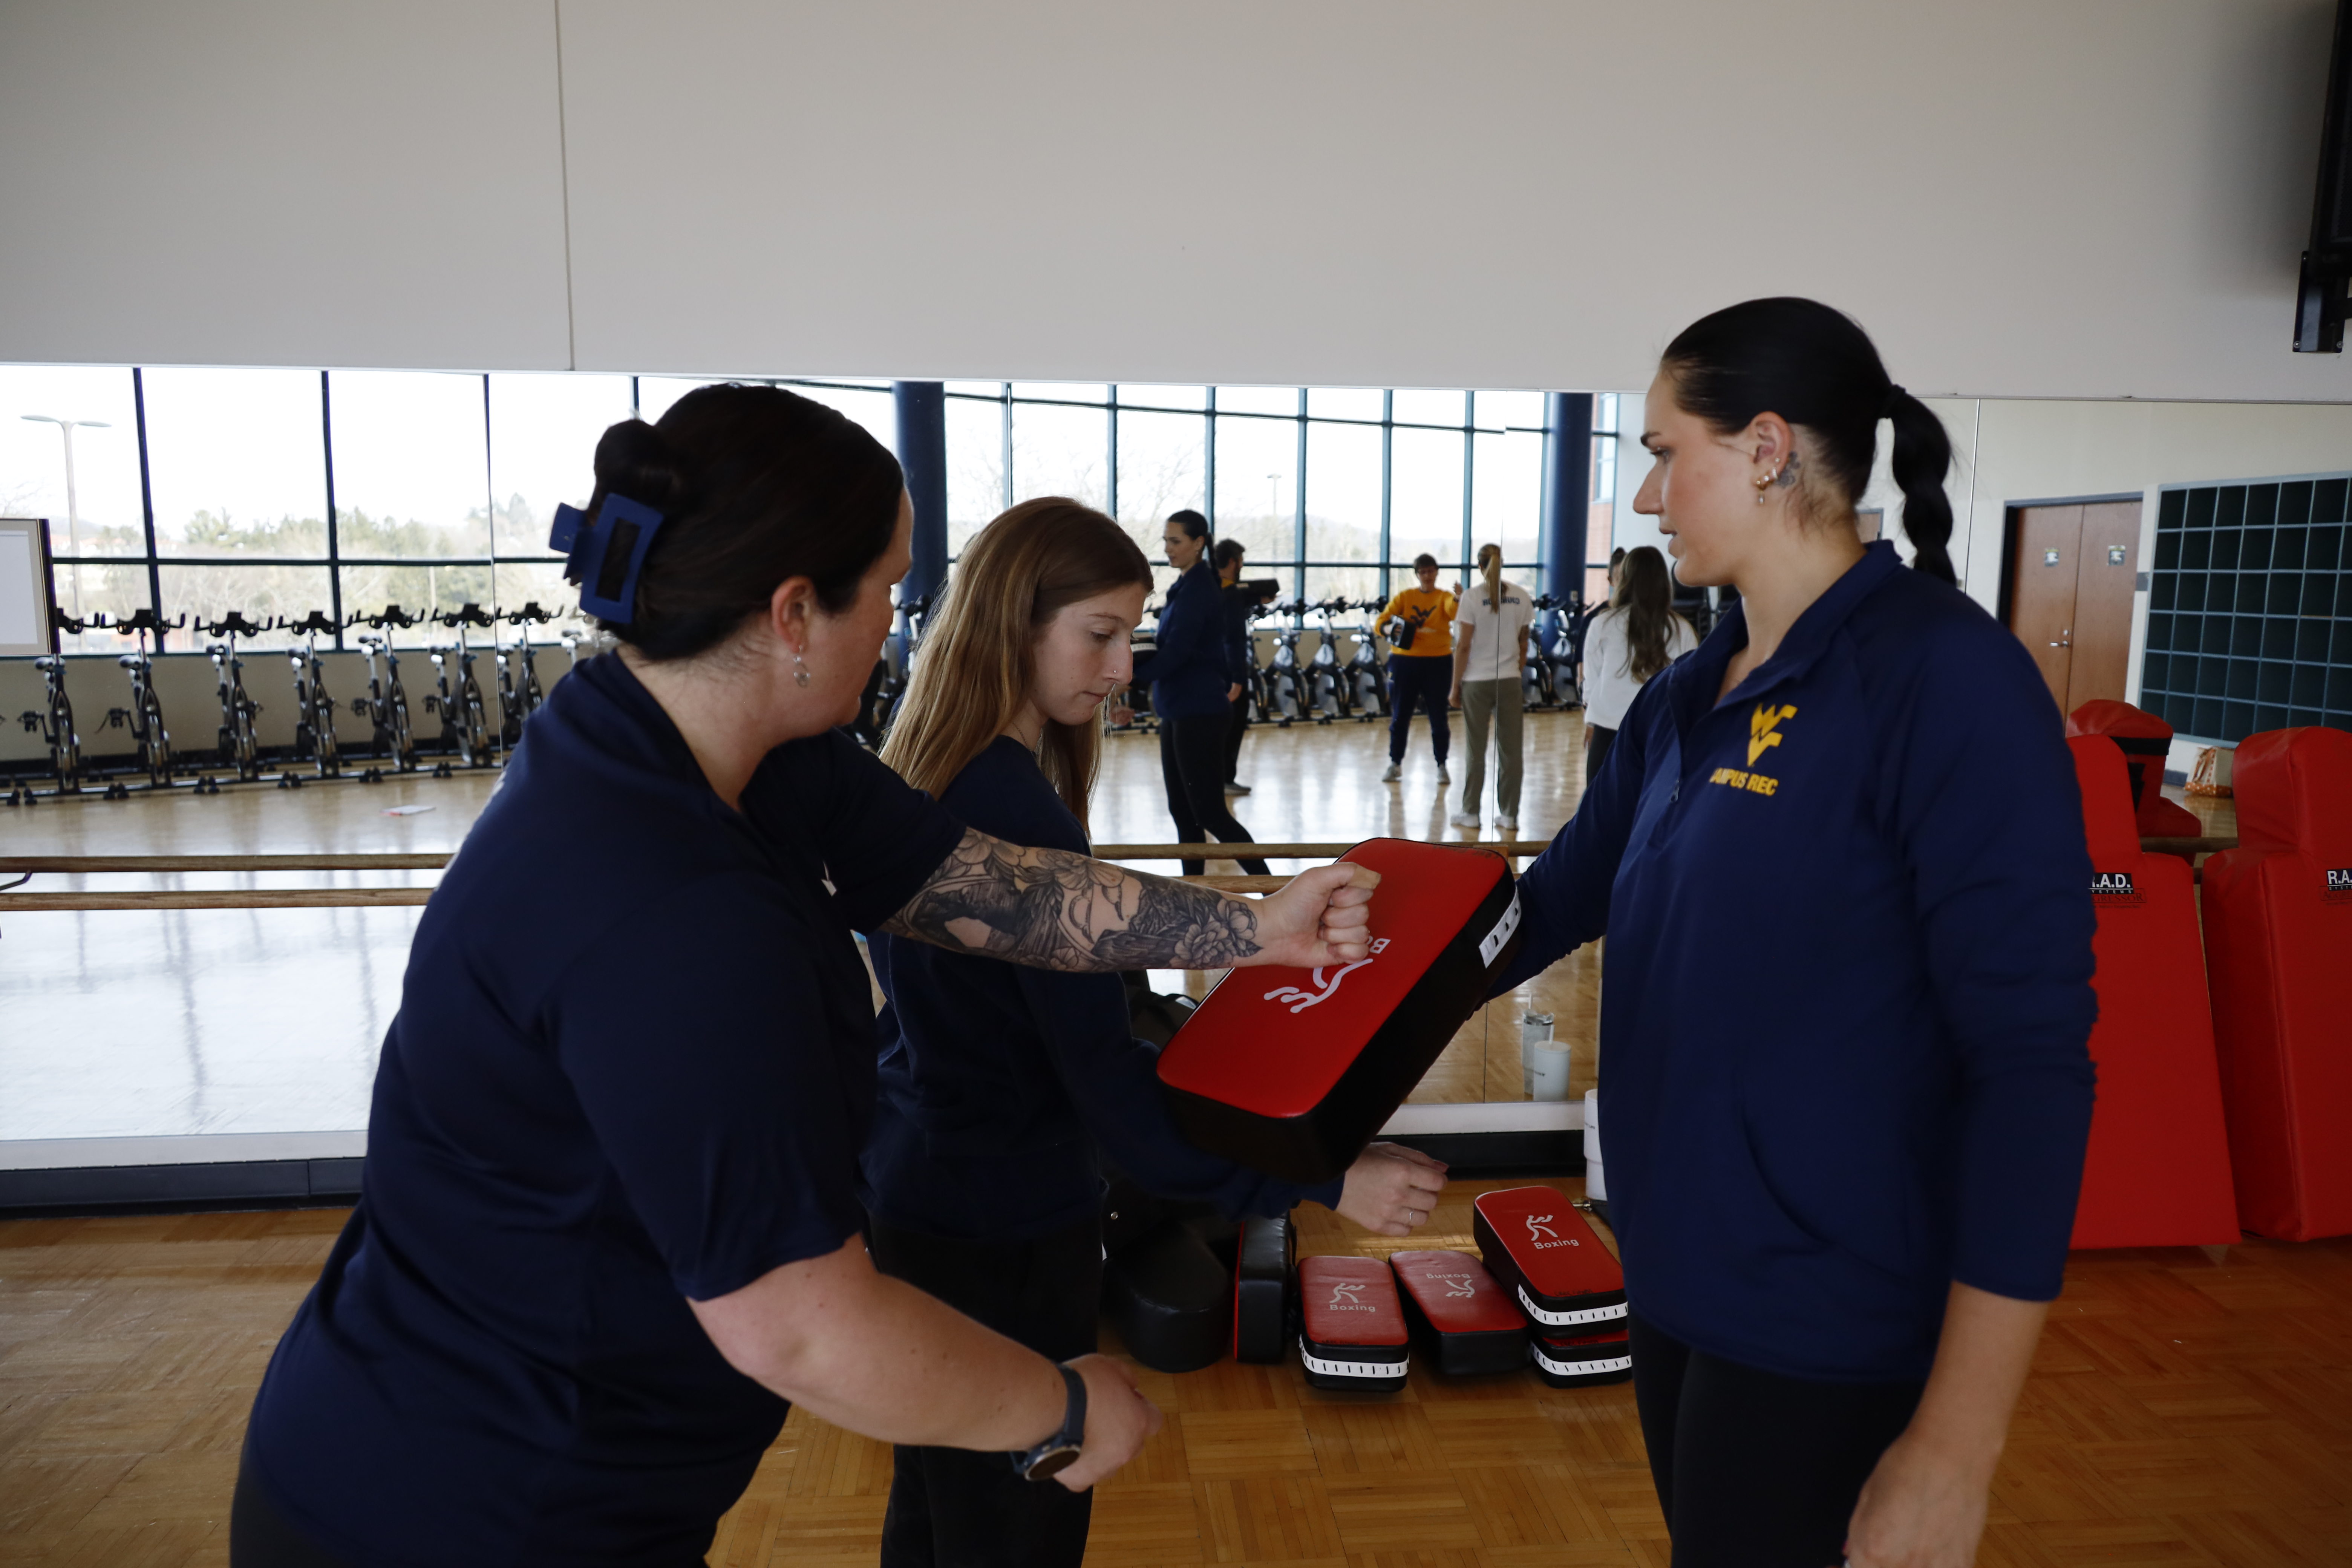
[[612, 1223], [1838, 853], [1490, 657]]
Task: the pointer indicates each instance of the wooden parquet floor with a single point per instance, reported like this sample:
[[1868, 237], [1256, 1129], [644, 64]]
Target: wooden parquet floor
[[2188, 1406]]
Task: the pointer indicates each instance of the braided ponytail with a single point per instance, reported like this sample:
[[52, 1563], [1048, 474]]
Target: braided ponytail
[[1922, 456]]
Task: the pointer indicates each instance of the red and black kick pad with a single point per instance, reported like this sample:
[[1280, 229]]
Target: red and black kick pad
[[1548, 1257], [1292, 1071], [1583, 1360], [1269, 1251], [1354, 1335], [1461, 1318]]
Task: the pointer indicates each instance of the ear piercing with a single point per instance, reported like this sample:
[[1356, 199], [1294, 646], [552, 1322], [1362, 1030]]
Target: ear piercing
[[800, 670]]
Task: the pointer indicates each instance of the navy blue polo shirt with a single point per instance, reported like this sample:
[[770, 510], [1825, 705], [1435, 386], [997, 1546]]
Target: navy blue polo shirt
[[999, 1081], [1847, 998], [1191, 666], [632, 1064]]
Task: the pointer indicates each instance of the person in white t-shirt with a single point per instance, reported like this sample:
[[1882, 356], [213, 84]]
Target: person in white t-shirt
[[1635, 638], [1490, 653]]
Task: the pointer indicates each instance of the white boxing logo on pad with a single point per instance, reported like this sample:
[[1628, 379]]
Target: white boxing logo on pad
[[1329, 988]]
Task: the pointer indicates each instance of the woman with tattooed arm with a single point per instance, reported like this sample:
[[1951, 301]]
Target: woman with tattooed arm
[[611, 1222]]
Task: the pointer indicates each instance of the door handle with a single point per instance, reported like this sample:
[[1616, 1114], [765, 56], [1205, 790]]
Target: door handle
[[2065, 638]]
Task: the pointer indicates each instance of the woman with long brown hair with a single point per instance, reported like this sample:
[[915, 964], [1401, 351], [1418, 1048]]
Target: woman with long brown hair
[[999, 1083], [1635, 638]]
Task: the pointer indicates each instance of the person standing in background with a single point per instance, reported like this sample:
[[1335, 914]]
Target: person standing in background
[[1239, 601], [1420, 623], [1635, 638], [1193, 683], [1490, 655]]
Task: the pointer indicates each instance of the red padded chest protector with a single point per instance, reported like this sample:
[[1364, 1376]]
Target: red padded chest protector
[[1292, 1071], [2278, 943], [1353, 1328], [2146, 741], [1544, 1252], [2157, 1170], [1456, 1308]]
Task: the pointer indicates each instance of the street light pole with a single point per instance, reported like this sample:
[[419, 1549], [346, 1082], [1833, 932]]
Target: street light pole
[[73, 504]]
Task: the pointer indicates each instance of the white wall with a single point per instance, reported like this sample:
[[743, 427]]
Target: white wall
[[2084, 198]]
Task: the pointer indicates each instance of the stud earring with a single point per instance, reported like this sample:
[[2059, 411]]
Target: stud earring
[[800, 670]]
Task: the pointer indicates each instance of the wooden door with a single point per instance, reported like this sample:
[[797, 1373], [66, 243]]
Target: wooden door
[[2109, 561], [2045, 542]]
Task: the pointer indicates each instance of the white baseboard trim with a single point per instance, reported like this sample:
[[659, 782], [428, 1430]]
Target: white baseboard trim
[[192, 1149], [1496, 1116]]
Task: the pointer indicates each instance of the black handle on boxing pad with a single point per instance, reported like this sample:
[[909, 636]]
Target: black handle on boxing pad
[[1262, 1288]]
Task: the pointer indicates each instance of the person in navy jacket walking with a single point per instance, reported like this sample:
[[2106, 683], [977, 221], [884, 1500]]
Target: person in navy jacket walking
[[1839, 854], [1195, 676]]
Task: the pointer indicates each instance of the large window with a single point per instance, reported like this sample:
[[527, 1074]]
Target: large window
[[274, 493]]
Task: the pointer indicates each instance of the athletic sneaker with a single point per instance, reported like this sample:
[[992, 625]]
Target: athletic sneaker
[[1396, 772], [1509, 822], [1443, 776], [1238, 789], [1468, 819]]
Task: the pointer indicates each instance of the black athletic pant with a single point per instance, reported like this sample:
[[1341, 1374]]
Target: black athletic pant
[[1427, 679], [1597, 753], [1755, 1469], [1233, 734], [1192, 766], [955, 1508], [261, 1536]]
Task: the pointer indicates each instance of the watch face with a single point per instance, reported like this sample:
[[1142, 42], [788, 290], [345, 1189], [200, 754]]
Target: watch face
[[1052, 1463]]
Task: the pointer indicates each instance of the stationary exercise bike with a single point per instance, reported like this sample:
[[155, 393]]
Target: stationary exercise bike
[[314, 710], [385, 706], [54, 721], [1327, 681], [1284, 691], [465, 717], [145, 714], [238, 747], [1368, 686], [520, 693]]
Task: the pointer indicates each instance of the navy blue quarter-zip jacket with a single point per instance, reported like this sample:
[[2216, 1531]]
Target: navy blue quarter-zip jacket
[[1192, 666], [998, 1082], [1847, 1000]]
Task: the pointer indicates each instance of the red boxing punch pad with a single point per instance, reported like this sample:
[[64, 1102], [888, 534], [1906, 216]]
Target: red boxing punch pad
[[2278, 946], [1354, 1333], [1463, 1318], [2157, 1170], [1544, 1253], [2144, 741], [1292, 1071], [1583, 1360]]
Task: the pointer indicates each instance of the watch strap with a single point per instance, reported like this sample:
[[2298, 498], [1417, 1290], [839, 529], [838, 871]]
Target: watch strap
[[1068, 1438]]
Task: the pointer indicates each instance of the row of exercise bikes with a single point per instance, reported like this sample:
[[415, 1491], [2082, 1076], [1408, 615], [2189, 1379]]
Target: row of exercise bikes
[[1336, 683], [467, 739]]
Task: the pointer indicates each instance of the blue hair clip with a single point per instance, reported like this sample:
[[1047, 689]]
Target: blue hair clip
[[588, 546]]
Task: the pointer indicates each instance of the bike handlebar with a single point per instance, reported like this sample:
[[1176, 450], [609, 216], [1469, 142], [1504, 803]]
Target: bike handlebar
[[531, 613], [143, 619], [311, 624], [390, 616], [234, 624], [467, 616]]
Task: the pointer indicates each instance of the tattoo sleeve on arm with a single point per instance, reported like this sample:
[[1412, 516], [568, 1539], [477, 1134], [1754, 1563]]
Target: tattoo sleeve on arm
[[1053, 909]]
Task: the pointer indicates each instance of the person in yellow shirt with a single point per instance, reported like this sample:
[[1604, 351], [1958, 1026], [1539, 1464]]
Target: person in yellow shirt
[[1419, 624]]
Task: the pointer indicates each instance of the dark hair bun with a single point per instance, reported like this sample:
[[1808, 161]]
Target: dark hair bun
[[632, 461]]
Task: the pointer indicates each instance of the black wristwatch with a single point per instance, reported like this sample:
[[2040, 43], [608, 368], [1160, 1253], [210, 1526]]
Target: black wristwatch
[[1060, 1451]]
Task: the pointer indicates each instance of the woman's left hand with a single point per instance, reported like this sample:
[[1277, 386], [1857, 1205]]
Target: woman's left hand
[[1322, 917], [1918, 1510]]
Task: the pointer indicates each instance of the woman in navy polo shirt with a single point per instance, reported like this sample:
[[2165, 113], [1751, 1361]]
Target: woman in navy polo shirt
[[611, 1220], [999, 1084], [1838, 853], [1195, 675]]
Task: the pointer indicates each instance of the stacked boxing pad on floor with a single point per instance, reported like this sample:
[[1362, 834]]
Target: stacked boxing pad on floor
[[1269, 1251], [2156, 1173], [1568, 1284], [1352, 1333], [1292, 1072], [2278, 945], [1462, 1318]]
